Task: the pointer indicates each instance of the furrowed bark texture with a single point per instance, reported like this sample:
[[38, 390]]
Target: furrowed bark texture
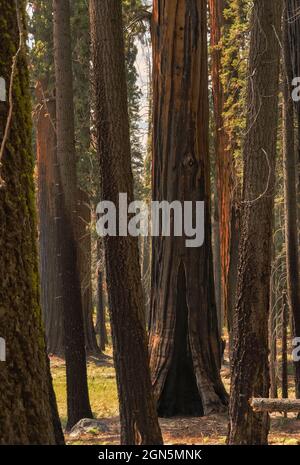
[[139, 423], [184, 338], [290, 192], [293, 24], [67, 220], [250, 370], [28, 413]]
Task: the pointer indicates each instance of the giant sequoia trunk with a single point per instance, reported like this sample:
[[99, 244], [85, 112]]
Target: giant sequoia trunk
[[139, 424], [290, 194], [28, 413], [184, 338], [250, 370], [77, 389], [51, 300]]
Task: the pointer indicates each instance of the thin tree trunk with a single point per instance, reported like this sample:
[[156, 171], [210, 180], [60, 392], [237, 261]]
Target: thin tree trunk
[[77, 389], [139, 423], [28, 411], [185, 344], [216, 236], [101, 320], [273, 344], [224, 155], [250, 368], [284, 355], [85, 267]]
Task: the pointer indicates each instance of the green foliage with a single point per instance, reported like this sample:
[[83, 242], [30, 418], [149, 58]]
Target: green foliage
[[235, 48], [42, 69]]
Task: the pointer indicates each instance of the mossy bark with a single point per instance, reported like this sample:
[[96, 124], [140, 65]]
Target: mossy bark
[[28, 413]]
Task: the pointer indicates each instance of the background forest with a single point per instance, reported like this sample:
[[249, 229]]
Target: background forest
[[141, 340]]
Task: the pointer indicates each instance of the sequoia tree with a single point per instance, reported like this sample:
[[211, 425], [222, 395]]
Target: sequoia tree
[[139, 423], [184, 340], [250, 370], [28, 412], [224, 158], [51, 301], [67, 220]]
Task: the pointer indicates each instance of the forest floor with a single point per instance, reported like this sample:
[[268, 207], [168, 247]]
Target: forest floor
[[177, 430]]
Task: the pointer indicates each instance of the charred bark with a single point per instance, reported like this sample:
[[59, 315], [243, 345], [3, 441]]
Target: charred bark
[[182, 278]]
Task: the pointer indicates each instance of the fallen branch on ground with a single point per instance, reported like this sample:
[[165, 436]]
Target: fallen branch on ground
[[275, 405]]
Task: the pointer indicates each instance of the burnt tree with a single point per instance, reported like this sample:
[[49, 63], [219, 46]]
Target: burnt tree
[[184, 338]]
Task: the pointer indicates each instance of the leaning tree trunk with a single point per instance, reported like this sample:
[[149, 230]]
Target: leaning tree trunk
[[28, 412], [250, 369], [139, 423], [51, 300], [184, 338], [77, 389], [290, 194]]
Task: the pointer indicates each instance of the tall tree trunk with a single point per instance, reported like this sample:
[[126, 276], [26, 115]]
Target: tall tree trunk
[[250, 370], [290, 194], [216, 239], [139, 423], [28, 412], [77, 388], [85, 267], [51, 300], [293, 19], [185, 345], [273, 343], [101, 320], [224, 155]]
